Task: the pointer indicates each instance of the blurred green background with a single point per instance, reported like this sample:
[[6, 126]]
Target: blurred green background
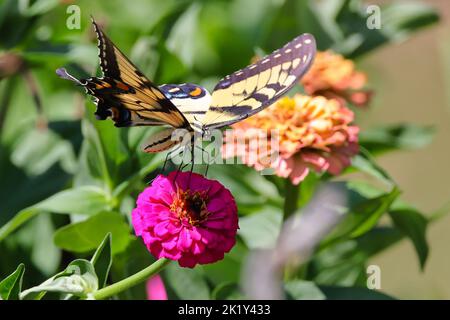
[[175, 41], [412, 82]]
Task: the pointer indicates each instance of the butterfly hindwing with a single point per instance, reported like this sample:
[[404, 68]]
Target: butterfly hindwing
[[255, 87], [126, 94], [190, 99]]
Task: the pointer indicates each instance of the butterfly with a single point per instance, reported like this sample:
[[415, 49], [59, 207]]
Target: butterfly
[[129, 98]]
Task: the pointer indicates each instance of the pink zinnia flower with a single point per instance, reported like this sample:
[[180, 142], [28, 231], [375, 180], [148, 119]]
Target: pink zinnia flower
[[192, 220], [155, 288], [313, 133]]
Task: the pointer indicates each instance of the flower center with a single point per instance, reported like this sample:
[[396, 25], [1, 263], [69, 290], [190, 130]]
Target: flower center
[[190, 206]]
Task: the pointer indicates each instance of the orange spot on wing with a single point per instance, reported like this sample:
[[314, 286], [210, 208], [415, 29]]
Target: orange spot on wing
[[102, 85], [195, 92], [122, 86]]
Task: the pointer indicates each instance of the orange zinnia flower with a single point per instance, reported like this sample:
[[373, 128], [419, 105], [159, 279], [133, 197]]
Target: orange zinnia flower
[[313, 133], [333, 76]]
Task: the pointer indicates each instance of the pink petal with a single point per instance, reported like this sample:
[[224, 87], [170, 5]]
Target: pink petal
[[166, 234], [155, 289]]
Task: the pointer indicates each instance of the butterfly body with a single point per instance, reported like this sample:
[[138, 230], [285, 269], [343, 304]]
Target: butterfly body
[[126, 96]]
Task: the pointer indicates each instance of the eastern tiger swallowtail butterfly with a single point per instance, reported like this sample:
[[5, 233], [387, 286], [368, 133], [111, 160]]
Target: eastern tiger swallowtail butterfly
[[130, 99]]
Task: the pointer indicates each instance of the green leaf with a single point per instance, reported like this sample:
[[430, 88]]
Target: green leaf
[[86, 200], [187, 283], [87, 235], [170, 68], [394, 137], [228, 270], [260, 230], [252, 191], [345, 22], [93, 161], [414, 225], [369, 212], [102, 260], [227, 291], [38, 7], [44, 254], [307, 189], [77, 279], [183, 39], [402, 18], [364, 162], [378, 239], [301, 290], [28, 189], [353, 293], [339, 264], [11, 286], [36, 151], [408, 222], [362, 217], [19, 219]]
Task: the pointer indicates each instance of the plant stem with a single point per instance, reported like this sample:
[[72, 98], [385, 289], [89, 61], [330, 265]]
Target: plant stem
[[131, 281], [290, 206], [291, 199], [6, 99]]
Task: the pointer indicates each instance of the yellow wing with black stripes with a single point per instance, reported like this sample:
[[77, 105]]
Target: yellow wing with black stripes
[[257, 86], [124, 93]]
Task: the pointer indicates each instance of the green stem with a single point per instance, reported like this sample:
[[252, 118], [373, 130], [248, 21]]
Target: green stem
[[7, 93], [291, 199], [290, 207], [131, 281]]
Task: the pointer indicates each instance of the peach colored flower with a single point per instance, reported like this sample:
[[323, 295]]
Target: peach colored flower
[[312, 133], [333, 76]]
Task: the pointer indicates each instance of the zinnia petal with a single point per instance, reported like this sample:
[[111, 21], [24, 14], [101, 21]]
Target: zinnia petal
[[191, 219], [155, 288], [314, 133]]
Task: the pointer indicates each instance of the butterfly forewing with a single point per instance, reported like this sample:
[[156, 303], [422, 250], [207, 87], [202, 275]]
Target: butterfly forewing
[[126, 94], [255, 87]]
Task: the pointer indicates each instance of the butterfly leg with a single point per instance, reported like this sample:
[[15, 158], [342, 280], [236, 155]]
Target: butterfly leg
[[207, 159], [180, 168], [166, 160], [192, 159]]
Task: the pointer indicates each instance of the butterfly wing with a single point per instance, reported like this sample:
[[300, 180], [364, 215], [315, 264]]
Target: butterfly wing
[[124, 93], [192, 100], [257, 86]]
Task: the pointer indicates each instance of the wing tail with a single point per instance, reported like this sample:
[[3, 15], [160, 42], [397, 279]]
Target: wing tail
[[63, 74]]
